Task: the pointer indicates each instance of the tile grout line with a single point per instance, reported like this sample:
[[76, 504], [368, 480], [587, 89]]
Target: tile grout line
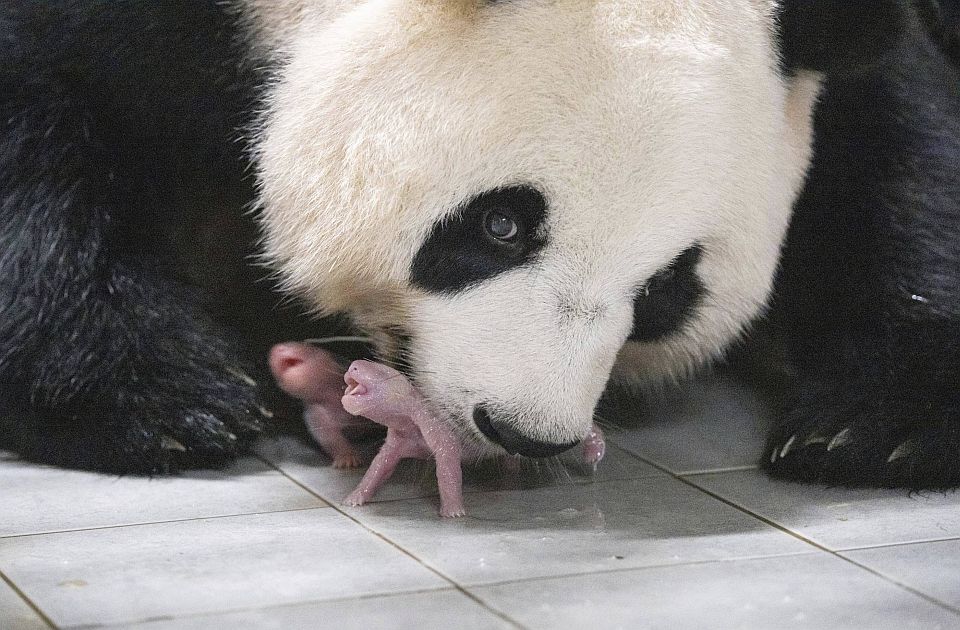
[[161, 522], [717, 471], [802, 538], [629, 450], [892, 580], [461, 589], [649, 567], [29, 602], [241, 610], [472, 491], [682, 478], [921, 541]]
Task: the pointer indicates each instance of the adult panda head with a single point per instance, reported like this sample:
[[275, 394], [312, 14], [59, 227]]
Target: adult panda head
[[511, 196]]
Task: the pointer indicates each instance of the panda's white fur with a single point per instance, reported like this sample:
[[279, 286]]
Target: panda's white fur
[[648, 126]]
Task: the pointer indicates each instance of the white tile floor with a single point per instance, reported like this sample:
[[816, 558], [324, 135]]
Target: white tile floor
[[676, 530]]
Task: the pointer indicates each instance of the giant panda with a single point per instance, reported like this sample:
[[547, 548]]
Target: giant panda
[[522, 203]]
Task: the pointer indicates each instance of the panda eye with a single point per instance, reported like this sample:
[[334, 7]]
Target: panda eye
[[490, 234], [501, 225]]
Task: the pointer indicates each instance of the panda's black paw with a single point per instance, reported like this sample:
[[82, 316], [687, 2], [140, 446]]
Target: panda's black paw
[[846, 454], [878, 443], [200, 415], [196, 425]]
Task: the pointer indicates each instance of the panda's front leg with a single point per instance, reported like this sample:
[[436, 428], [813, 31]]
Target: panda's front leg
[[129, 378], [107, 362], [875, 410], [869, 284]]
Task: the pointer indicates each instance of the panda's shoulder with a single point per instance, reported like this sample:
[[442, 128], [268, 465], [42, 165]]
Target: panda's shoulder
[[55, 31], [177, 66]]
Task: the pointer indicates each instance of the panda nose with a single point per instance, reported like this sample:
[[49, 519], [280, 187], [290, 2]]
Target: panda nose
[[514, 442]]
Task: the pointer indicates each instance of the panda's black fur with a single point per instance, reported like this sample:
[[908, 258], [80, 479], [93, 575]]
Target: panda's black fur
[[870, 280], [128, 318], [122, 244]]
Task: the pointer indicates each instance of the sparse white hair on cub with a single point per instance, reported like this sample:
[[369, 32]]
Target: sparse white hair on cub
[[647, 126]]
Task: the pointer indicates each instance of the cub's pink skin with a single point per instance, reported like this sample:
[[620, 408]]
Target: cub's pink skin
[[385, 396], [314, 376]]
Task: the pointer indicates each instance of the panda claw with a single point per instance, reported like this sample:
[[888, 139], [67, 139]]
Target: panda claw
[[906, 449], [168, 443], [816, 438], [840, 439], [788, 446], [242, 376]]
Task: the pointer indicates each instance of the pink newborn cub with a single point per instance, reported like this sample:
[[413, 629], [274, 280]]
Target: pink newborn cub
[[376, 392], [314, 376], [385, 396]]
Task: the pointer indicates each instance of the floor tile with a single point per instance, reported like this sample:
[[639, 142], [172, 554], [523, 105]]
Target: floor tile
[[189, 567], [440, 610], [932, 568], [415, 478], [841, 518], [570, 529], [710, 424], [525, 474], [819, 592], [43, 499], [15, 614], [312, 468]]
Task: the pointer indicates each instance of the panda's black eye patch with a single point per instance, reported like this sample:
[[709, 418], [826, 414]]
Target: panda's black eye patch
[[494, 232], [669, 298]]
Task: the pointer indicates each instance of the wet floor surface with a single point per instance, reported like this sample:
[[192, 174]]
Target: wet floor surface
[[676, 529]]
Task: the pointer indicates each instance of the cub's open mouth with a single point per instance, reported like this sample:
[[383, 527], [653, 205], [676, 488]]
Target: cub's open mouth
[[354, 387]]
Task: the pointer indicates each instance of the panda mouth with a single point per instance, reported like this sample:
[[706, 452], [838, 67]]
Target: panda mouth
[[513, 441], [483, 422]]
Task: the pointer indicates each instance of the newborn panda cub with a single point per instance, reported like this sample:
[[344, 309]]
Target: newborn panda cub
[[387, 397]]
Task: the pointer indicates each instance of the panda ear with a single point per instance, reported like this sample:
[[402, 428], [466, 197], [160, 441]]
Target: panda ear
[[835, 35]]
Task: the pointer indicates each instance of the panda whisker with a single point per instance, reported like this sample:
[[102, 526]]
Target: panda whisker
[[603, 422], [551, 465], [559, 470]]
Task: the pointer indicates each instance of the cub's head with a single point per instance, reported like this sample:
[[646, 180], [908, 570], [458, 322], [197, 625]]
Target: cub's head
[[511, 195]]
